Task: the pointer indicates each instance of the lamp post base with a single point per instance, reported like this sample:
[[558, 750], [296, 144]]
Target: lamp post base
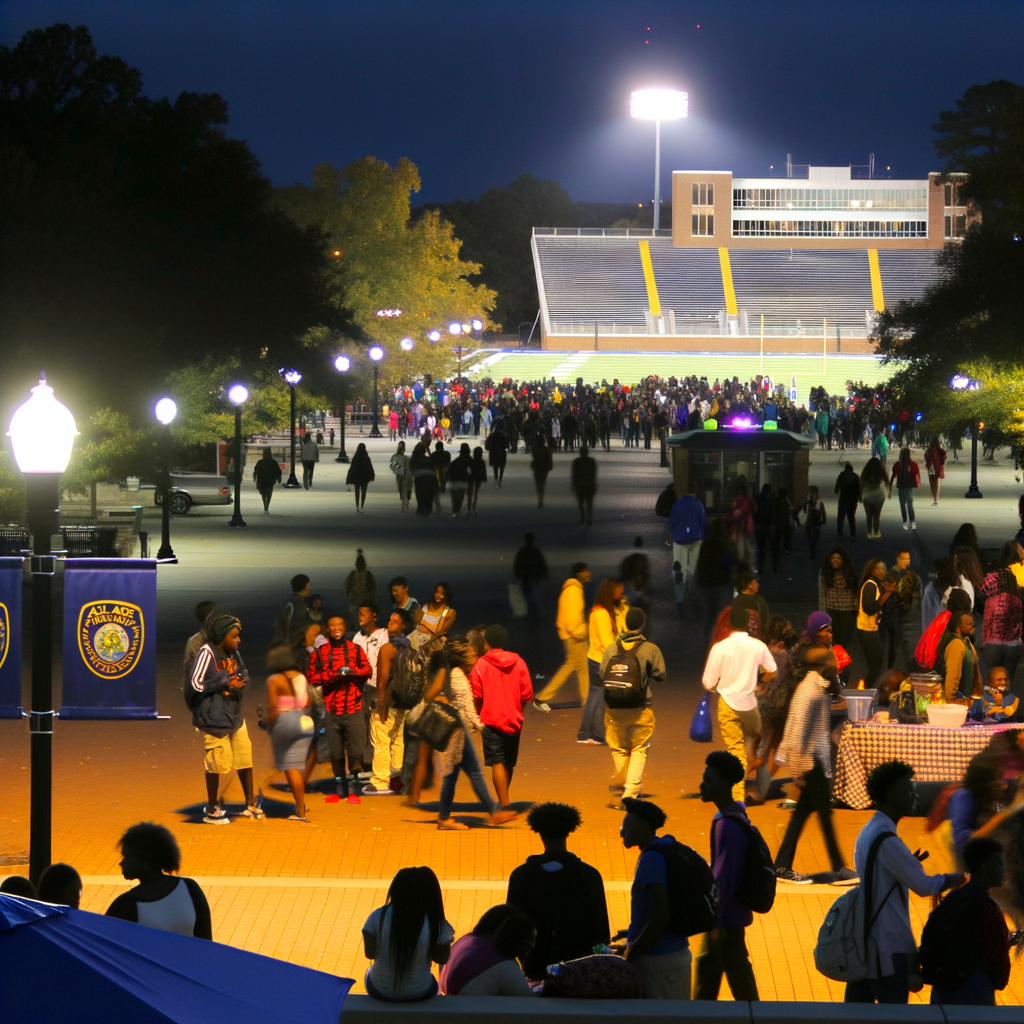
[[973, 492], [375, 432], [237, 520], [167, 555], [342, 456], [292, 482]]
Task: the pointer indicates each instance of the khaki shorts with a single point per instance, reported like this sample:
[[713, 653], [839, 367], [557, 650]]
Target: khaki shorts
[[226, 753]]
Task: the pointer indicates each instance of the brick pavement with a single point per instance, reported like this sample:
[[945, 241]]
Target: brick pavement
[[110, 774]]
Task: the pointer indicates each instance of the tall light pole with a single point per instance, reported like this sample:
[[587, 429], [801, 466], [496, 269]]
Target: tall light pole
[[342, 364], [455, 330], [237, 395], [42, 462], [292, 377], [165, 410], [658, 105], [376, 354], [961, 382]]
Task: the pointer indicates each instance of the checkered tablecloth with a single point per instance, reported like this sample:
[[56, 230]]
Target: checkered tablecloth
[[937, 754]]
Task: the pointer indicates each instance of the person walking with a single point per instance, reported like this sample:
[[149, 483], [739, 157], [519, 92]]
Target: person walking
[[216, 679], [265, 474], [441, 459], [837, 593], [935, 464], [688, 524], [724, 949], [497, 445], [540, 465], [805, 750], [563, 896], [815, 518], [310, 457], [584, 484], [875, 591], [162, 899], [530, 568], [880, 854], [359, 587], [628, 668], [477, 478], [571, 623], [607, 621], [906, 478], [732, 669], [872, 496], [662, 954], [360, 475], [424, 479], [880, 447], [399, 465], [459, 473], [848, 489], [501, 689]]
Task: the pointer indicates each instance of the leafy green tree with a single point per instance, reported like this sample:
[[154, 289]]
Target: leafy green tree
[[134, 235], [385, 260]]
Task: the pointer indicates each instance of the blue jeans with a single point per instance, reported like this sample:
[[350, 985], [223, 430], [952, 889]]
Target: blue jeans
[[906, 495], [470, 764], [592, 722]]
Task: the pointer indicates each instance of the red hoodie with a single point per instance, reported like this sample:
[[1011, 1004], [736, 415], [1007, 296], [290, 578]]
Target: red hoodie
[[502, 680]]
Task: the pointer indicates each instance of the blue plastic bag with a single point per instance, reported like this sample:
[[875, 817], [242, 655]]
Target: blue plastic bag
[[700, 727]]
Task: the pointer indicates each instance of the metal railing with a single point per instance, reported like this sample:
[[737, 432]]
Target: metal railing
[[710, 328], [605, 232]]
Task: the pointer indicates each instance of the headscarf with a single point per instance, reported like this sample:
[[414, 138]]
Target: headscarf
[[219, 625]]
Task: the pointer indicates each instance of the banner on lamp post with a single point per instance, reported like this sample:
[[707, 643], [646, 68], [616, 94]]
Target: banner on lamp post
[[109, 638], [10, 637]]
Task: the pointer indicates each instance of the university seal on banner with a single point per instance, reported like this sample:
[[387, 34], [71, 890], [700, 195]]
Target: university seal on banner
[[5, 633], [110, 637]]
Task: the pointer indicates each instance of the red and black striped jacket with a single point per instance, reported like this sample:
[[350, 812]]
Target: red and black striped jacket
[[343, 693]]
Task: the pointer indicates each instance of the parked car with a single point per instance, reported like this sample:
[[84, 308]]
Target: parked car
[[188, 489]]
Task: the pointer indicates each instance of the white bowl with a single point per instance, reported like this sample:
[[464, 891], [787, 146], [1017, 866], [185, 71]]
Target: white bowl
[[948, 716]]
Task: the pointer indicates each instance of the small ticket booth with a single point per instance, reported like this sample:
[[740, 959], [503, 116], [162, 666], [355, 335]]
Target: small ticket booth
[[709, 463]]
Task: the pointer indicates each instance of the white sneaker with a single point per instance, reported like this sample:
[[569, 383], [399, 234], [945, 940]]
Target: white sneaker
[[906, 526], [913, 526]]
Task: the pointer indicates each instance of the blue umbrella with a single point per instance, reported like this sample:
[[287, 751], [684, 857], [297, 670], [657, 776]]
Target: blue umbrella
[[64, 964]]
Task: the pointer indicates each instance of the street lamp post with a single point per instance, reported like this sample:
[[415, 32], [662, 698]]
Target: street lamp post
[[165, 411], [342, 365], [42, 464], [961, 382], [237, 394], [658, 105], [292, 377], [376, 354]]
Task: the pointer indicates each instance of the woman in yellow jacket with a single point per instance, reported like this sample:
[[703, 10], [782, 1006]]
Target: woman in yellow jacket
[[607, 621]]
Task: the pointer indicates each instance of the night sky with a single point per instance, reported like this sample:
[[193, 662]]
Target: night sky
[[479, 92]]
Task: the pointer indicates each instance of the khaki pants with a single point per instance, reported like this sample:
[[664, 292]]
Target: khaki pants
[[666, 976], [628, 733], [388, 747], [738, 726], [575, 661]]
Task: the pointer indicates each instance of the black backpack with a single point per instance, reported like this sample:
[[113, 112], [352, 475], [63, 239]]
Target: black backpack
[[692, 895], [756, 890], [945, 960], [408, 677], [624, 683]]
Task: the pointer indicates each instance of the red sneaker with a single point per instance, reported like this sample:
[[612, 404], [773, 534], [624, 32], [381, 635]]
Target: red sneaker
[[353, 799], [396, 784], [332, 798]]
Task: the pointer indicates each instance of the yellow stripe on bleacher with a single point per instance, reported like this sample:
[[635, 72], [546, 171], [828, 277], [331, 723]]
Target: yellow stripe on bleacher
[[652, 287], [877, 297], [730, 292]]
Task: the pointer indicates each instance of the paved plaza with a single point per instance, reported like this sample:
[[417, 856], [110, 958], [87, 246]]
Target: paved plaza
[[301, 892]]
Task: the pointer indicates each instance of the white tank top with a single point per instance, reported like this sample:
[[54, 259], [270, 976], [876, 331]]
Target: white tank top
[[174, 913], [433, 619]]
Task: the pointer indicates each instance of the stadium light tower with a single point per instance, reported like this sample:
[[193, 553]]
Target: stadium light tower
[[658, 105]]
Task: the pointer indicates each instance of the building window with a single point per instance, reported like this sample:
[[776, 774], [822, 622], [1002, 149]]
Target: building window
[[703, 214], [953, 193], [956, 225], [787, 198], [830, 228]]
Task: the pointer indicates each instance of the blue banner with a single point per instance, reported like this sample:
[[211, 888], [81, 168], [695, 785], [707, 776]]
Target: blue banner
[[109, 638], [10, 637]]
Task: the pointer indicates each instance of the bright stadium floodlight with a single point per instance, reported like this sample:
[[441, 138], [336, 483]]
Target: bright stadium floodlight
[[658, 105]]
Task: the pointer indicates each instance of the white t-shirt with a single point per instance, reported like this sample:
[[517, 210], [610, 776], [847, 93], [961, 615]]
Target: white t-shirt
[[371, 646], [732, 669], [418, 978]]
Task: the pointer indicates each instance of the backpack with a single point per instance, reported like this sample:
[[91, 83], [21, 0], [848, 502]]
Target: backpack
[[841, 950], [408, 677], [756, 890], [945, 959], [692, 895], [624, 683], [928, 646]]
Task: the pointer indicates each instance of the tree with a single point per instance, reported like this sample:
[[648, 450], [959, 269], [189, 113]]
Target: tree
[[972, 321], [384, 260], [134, 235]]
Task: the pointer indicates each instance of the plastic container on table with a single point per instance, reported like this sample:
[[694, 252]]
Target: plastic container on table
[[928, 689], [858, 704], [947, 716]]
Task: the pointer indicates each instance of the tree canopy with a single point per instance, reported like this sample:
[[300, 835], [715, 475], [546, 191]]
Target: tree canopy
[[135, 236]]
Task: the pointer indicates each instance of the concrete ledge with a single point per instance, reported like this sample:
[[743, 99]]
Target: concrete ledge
[[488, 1010]]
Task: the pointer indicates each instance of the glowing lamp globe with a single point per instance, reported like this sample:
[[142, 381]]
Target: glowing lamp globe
[[165, 410], [434, 336], [478, 325], [658, 104], [237, 394], [406, 344], [376, 353], [342, 364], [42, 432], [454, 328], [292, 377]]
